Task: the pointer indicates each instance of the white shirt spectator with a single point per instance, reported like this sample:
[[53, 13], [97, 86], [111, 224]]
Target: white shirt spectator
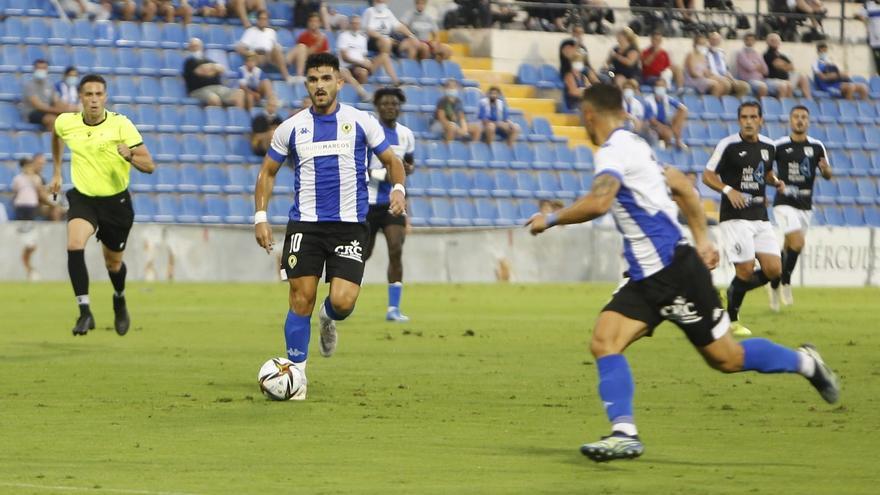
[[634, 108], [259, 40], [250, 78], [25, 190], [871, 12], [353, 45], [717, 62], [379, 18], [422, 24]]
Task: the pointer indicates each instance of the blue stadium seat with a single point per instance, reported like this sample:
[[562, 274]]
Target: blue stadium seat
[[540, 130], [867, 192], [841, 162], [847, 192], [849, 112], [549, 187], [549, 77], [173, 91], [12, 60], [583, 158], [125, 109], [82, 34], [417, 183], [279, 210], [128, 62], [60, 32], [694, 104], [481, 185], [861, 164], [502, 155], [103, 34], [730, 104], [524, 156], [828, 112], [284, 181], [129, 34], [696, 134], [867, 113], [143, 183], [173, 36], [238, 209], [545, 156], [14, 30], [458, 154], [414, 100], [504, 184], [874, 87], [32, 53], [59, 58], [240, 150], [239, 180], [438, 183], [6, 146], [145, 207], [480, 155], [463, 211], [774, 130], [526, 184], [853, 137], [419, 211], [772, 108], [221, 38], [565, 158], [215, 119], [172, 63], [9, 114], [586, 183], [410, 71], [348, 95], [872, 137], [508, 212], [853, 216], [147, 118], [834, 136], [148, 91], [441, 212], [190, 179], [570, 182], [379, 76], [151, 35], [151, 62], [818, 216], [471, 99], [872, 217], [38, 32], [169, 148], [26, 143], [486, 212], [169, 119], [122, 89], [214, 209], [7, 174], [717, 132], [193, 148], [167, 178], [190, 209], [713, 109], [432, 72], [875, 165], [528, 74], [215, 149]]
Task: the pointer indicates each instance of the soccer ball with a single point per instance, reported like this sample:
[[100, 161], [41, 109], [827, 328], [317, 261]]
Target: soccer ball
[[279, 379]]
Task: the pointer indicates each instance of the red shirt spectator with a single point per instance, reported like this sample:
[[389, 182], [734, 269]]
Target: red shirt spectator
[[654, 58], [316, 41]]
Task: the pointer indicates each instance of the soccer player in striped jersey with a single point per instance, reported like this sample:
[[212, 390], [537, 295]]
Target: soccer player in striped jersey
[[668, 278], [798, 158], [328, 146], [403, 142]]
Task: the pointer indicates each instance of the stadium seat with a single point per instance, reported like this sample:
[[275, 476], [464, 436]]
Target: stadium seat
[[239, 150], [151, 62], [215, 119], [853, 216], [772, 109], [479, 155], [59, 59], [11, 60], [872, 217], [432, 72], [549, 187], [441, 212], [191, 179], [172, 63], [508, 212], [545, 156], [540, 130], [471, 99], [834, 136], [526, 185], [193, 118], [872, 137], [439, 181], [122, 90], [458, 154], [875, 165], [867, 113], [841, 162], [240, 179], [170, 119], [717, 132], [284, 181], [486, 212], [169, 148], [151, 35], [549, 77], [410, 71], [694, 104], [730, 104], [583, 158], [419, 211], [8, 116], [174, 92], [867, 192], [238, 209], [828, 113], [502, 155], [482, 183], [847, 192], [26, 143], [417, 183], [103, 32], [221, 38], [6, 149], [167, 178], [173, 36], [214, 209], [145, 207], [190, 209], [861, 164], [570, 182], [143, 183], [713, 108], [528, 74], [279, 210], [524, 156], [697, 134], [60, 32], [192, 148], [129, 34], [37, 32], [774, 130], [463, 212], [564, 157], [215, 149], [82, 33], [504, 184], [849, 112]]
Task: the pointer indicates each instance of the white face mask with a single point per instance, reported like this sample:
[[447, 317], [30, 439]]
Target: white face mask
[[577, 66], [381, 8], [71, 81], [198, 54], [661, 91], [823, 57], [452, 92], [41, 74], [629, 93], [703, 49]]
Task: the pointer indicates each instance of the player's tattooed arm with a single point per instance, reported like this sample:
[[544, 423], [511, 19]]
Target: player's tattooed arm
[[825, 169], [593, 205]]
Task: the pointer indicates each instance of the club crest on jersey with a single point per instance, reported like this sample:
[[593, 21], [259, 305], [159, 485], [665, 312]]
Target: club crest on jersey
[[353, 251], [808, 152], [346, 128], [765, 154]]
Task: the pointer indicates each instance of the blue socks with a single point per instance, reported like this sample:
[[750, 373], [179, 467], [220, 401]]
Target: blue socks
[[616, 390], [395, 290], [764, 356], [297, 330], [332, 313]]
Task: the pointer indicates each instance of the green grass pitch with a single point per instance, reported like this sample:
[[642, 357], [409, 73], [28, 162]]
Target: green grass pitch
[[490, 389]]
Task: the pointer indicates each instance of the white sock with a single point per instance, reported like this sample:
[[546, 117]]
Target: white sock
[[119, 294], [807, 365], [82, 300], [301, 366], [625, 428]]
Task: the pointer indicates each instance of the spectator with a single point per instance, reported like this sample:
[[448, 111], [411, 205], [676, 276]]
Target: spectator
[[310, 41], [541, 18], [303, 9], [717, 59], [263, 40], [577, 34], [352, 48], [254, 83], [203, 79], [635, 111], [29, 192], [780, 68], [697, 74], [571, 71], [665, 115], [336, 20], [38, 102], [751, 67], [210, 8], [828, 77], [495, 117], [67, 90], [423, 24], [870, 15], [595, 14], [263, 126], [85, 8], [385, 30], [166, 9], [451, 121], [125, 9], [241, 8], [624, 60], [656, 63], [686, 10]]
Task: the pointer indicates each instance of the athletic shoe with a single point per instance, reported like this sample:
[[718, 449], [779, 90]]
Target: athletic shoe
[[328, 334], [83, 324], [824, 379], [122, 320], [787, 297], [773, 295], [393, 314], [301, 393], [614, 446], [739, 330]]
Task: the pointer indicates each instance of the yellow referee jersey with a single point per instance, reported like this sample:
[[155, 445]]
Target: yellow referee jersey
[[96, 168]]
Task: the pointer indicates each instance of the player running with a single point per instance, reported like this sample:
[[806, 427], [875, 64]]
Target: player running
[[668, 279], [403, 142], [798, 156], [329, 147], [739, 169], [104, 146]]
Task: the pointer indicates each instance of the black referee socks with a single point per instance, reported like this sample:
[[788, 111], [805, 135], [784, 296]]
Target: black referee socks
[[118, 279], [79, 278]]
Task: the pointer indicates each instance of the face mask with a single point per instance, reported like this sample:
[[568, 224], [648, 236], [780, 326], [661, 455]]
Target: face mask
[[577, 66], [661, 91], [703, 49], [198, 54], [381, 8], [41, 74], [452, 93], [629, 93], [823, 57], [71, 81]]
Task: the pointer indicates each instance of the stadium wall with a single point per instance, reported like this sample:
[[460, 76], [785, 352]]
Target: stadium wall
[[834, 256]]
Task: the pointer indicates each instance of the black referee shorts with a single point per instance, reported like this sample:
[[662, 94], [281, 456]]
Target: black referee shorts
[[112, 216]]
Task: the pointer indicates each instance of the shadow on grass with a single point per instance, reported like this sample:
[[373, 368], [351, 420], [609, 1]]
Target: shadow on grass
[[572, 456]]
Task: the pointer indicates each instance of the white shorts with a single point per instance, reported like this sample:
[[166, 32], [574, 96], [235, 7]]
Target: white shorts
[[744, 238], [792, 219]]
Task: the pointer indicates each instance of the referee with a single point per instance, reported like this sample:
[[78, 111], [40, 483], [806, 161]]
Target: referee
[[104, 146], [740, 168]]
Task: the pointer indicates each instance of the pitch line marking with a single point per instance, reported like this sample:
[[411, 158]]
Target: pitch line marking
[[90, 489]]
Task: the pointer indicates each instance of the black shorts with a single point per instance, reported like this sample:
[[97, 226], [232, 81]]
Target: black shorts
[[112, 216], [36, 117], [681, 293], [379, 217], [26, 212], [308, 246]]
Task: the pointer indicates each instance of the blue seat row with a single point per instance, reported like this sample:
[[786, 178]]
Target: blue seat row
[[500, 184], [853, 216], [463, 212], [437, 154]]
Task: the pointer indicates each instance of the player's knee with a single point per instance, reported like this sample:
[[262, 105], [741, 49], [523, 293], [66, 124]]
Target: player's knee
[[725, 365], [113, 265], [601, 345], [343, 304], [302, 303], [796, 244], [772, 270]]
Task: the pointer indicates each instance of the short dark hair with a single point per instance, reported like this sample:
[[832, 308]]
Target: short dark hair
[[821, 45], [325, 59], [69, 69], [261, 12], [604, 97], [91, 78], [388, 91], [313, 14], [493, 88], [753, 35], [799, 107], [747, 104], [40, 61], [23, 162]]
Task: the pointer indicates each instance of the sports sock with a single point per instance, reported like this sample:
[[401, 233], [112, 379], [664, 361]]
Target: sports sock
[[735, 297], [616, 390], [297, 330], [332, 313], [788, 263], [79, 278], [395, 290], [118, 280], [766, 356], [775, 283]]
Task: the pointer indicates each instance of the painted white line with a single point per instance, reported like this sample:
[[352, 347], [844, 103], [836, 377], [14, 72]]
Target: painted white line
[[90, 489]]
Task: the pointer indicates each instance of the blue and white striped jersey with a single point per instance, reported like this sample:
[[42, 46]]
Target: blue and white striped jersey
[[403, 142], [643, 210], [330, 155]]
